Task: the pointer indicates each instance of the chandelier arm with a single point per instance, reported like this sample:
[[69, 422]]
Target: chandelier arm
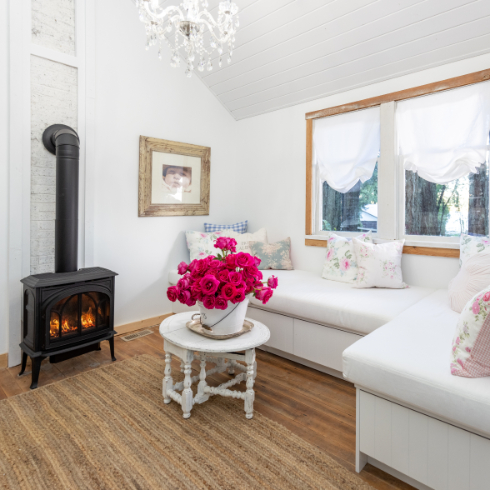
[[211, 31], [163, 13]]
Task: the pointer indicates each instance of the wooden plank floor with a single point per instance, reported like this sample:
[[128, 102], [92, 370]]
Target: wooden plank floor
[[315, 406]]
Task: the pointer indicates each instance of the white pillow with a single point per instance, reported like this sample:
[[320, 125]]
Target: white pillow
[[473, 276], [242, 239], [379, 265], [201, 244], [340, 261], [471, 245]]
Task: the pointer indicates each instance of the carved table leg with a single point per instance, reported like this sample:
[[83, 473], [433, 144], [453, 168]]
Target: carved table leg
[[201, 395], [250, 394], [181, 366], [168, 382], [187, 399]]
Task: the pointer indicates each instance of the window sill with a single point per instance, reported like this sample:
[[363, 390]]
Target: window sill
[[432, 249]]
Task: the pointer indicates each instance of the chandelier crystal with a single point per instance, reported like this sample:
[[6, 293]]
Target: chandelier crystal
[[183, 28]]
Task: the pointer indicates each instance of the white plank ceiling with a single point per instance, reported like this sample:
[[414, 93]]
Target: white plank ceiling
[[292, 51]]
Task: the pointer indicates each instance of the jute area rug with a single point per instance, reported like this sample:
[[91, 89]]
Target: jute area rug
[[109, 429]]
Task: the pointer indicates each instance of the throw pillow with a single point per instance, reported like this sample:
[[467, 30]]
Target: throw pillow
[[340, 262], [243, 239], [273, 255], [471, 245], [238, 227], [200, 244], [379, 265], [473, 276], [470, 354]]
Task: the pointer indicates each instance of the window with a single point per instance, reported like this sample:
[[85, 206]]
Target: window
[[443, 147], [346, 153], [354, 210], [410, 165]]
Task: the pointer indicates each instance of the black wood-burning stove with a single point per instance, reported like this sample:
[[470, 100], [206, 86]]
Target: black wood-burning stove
[[69, 312]]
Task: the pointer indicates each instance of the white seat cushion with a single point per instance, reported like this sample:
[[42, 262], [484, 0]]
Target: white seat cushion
[[408, 360], [308, 296]]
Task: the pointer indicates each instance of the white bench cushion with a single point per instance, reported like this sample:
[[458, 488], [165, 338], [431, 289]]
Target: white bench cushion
[[408, 360], [309, 297]]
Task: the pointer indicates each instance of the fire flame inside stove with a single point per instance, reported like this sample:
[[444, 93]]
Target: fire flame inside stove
[[54, 327], [88, 319]]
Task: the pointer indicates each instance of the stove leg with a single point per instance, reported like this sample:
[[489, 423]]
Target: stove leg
[[98, 347], [24, 363], [111, 343], [36, 367]]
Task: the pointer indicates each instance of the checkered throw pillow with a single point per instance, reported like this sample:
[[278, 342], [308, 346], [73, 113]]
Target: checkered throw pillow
[[238, 227]]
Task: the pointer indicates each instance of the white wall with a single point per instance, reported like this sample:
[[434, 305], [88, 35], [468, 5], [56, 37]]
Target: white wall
[[4, 196], [271, 164], [136, 94]]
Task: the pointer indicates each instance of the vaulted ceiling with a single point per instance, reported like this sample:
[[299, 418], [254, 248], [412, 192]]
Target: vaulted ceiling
[[292, 51]]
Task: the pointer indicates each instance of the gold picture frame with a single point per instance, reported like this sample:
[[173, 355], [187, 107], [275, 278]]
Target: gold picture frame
[[174, 178]]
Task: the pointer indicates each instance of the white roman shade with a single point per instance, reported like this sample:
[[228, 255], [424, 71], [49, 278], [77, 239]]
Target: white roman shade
[[444, 136], [346, 147]]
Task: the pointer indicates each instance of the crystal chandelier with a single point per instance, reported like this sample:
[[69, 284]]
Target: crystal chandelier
[[187, 24]]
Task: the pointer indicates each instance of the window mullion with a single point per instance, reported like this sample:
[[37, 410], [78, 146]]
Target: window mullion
[[387, 175]]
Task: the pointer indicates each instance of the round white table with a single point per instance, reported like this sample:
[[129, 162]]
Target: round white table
[[187, 346]]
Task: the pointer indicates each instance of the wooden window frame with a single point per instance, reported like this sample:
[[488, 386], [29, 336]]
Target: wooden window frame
[[430, 88]]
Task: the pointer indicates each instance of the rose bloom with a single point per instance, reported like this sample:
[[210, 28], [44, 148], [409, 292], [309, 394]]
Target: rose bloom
[[184, 283], [241, 285], [235, 278], [201, 266], [221, 303], [182, 268], [486, 297], [209, 284], [228, 291], [192, 265], [172, 293], [239, 296], [209, 301], [223, 275], [264, 295], [257, 261], [231, 261], [244, 260], [272, 282], [184, 297]]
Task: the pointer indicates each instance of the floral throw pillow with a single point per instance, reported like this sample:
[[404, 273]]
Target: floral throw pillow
[[380, 265], [243, 239], [273, 255], [470, 353], [200, 244], [471, 245], [340, 262]]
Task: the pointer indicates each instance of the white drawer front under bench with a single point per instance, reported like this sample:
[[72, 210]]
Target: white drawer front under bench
[[437, 454], [316, 343]]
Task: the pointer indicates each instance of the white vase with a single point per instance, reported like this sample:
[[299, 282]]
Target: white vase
[[224, 322]]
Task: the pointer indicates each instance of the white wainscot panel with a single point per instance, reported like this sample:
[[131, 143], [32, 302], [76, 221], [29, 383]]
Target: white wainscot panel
[[432, 452], [281, 328], [320, 344]]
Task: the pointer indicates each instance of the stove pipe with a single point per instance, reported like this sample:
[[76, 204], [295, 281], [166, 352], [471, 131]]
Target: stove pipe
[[63, 141]]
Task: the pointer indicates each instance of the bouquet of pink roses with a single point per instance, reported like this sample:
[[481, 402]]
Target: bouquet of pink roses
[[216, 281]]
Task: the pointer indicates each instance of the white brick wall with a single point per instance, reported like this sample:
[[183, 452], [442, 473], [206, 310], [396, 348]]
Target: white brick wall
[[53, 100], [53, 24]]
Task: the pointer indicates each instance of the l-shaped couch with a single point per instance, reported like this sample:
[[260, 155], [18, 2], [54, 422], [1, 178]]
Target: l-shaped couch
[[414, 419]]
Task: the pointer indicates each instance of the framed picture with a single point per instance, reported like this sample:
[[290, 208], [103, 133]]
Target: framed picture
[[174, 178]]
